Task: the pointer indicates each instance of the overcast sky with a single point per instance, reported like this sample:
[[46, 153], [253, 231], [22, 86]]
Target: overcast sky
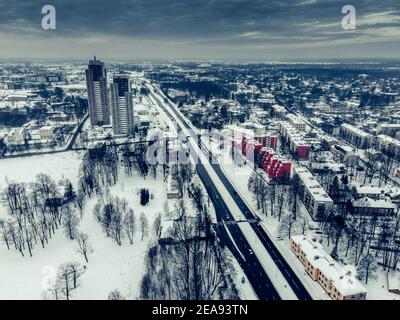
[[194, 29]]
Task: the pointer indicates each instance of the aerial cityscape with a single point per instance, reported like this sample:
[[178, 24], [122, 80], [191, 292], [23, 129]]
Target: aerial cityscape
[[205, 174]]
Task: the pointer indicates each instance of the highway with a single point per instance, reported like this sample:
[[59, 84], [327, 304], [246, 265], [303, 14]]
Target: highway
[[240, 240], [230, 234]]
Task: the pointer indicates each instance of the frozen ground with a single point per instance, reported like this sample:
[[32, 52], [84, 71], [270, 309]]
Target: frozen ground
[[110, 266]]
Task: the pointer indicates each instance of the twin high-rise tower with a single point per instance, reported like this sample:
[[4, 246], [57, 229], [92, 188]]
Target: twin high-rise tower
[[96, 83], [120, 101], [122, 107]]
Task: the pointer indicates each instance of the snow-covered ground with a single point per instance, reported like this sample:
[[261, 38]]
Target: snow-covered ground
[[110, 266], [24, 169]]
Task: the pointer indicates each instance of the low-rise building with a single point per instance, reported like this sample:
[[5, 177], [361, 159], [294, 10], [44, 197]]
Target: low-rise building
[[16, 136], [278, 111], [339, 282], [46, 133], [372, 207], [367, 191], [296, 122]]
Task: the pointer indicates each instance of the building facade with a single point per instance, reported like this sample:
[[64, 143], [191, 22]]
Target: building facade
[[339, 283]]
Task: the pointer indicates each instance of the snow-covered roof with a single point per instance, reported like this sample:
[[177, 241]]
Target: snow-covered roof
[[387, 139], [312, 185], [374, 203], [355, 130], [343, 278], [368, 190], [239, 131]]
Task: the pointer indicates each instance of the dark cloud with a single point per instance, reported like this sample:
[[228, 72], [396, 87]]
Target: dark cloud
[[262, 26]]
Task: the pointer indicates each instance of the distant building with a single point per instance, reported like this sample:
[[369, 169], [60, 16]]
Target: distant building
[[16, 136], [314, 197], [278, 111], [122, 106], [339, 283], [355, 136], [296, 122], [96, 83], [46, 133], [267, 139], [257, 128]]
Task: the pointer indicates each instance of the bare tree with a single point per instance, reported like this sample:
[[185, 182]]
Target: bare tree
[[115, 295], [367, 268], [84, 246], [70, 222], [157, 225], [197, 196], [286, 226], [68, 276], [281, 203], [79, 201], [130, 225], [4, 233], [144, 225]]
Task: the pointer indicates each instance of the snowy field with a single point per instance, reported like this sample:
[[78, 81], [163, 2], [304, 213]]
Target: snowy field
[[110, 266]]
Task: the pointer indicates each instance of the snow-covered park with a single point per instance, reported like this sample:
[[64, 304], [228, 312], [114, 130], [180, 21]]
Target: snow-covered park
[[110, 266]]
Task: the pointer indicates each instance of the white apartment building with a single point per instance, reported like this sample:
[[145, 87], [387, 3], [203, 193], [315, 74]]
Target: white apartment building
[[389, 129], [389, 145], [314, 197], [294, 138], [296, 122], [355, 136]]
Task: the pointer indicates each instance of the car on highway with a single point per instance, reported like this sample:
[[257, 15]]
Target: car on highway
[[216, 197], [251, 252]]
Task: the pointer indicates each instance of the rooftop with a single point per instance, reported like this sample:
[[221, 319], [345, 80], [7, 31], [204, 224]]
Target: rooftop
[[312, 185]]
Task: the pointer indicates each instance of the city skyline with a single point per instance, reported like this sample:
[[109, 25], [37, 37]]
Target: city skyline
[[193, 30]]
